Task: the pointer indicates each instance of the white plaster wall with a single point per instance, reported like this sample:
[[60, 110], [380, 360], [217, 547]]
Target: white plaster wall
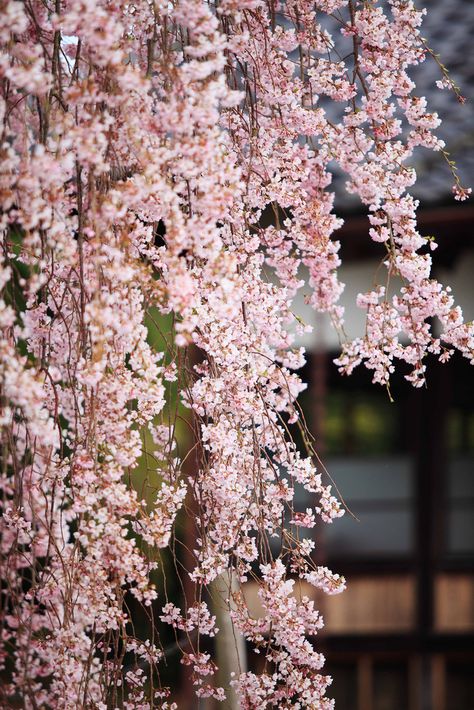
[[361, 277], [461, 280]]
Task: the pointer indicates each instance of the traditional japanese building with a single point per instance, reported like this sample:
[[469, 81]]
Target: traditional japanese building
[[402, 635]]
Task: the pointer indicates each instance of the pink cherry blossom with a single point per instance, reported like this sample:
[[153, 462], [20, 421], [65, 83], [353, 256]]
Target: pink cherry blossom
[[143, 147]]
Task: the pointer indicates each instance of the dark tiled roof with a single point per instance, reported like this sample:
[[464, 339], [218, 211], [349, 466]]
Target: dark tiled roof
[[449, 30]]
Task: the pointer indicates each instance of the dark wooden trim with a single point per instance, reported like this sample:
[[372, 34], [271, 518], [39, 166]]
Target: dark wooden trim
[[452, 227], [400, 645]]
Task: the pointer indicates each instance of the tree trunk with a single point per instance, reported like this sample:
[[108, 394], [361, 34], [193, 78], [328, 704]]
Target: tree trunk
[[231, 653]]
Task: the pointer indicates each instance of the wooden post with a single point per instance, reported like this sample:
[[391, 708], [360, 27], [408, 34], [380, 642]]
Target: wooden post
[[438, 683], [365, 684]]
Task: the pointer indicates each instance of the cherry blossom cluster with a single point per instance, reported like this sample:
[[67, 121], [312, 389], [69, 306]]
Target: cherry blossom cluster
[[170, 163], [282, 635]]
